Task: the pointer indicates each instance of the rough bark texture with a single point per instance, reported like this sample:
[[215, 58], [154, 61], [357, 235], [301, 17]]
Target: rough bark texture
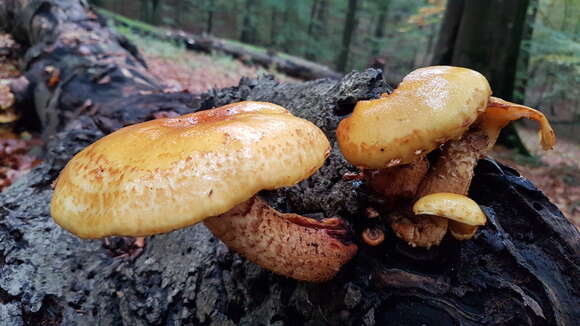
[[521, 269]]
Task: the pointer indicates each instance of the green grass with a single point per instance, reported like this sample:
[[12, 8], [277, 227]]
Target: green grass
[[114, 19]]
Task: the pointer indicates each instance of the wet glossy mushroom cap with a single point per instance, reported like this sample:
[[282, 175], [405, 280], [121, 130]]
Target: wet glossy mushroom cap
[[431, 106], [166, 174], [452, 206]]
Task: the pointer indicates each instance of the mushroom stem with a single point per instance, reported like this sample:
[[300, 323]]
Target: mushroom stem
[[397, 184], [452, 173], [139, 242], [453, 170], [419, 230], [287, 244]]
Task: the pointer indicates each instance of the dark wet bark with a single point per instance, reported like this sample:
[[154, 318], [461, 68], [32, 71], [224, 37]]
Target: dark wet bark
[[521, 269]]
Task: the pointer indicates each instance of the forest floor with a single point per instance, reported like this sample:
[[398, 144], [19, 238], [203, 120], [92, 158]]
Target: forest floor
[[555, 172]]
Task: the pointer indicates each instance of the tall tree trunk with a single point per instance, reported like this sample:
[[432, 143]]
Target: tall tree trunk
[[317, 33], [524, 59], [349, 27], [156, 12], [488, 40], [309, 51], [274, 28], [210, 13], [521, 269], [144, 12], [248, 32], [379, 32], [443, 53], [312, 22]]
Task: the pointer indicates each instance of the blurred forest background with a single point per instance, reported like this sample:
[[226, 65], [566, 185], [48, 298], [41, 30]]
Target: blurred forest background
[[401, 34], [528, 49]]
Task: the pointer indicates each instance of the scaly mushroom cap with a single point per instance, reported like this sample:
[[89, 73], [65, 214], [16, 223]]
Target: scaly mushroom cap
[[431, 106], [166, 174]]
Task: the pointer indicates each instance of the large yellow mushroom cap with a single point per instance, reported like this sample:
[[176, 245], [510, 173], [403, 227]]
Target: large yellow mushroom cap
[[431, 106], [166, 174]]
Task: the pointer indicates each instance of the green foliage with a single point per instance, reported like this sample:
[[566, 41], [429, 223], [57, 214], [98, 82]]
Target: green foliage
[[553, 74], [402, 33]]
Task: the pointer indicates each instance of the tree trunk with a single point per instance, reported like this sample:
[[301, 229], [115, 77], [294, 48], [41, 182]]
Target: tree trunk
[[313, 11], [380, 27], [349, 27], [248, 32], [156, 12], [210, 13], [318, 27], [443, 53], [274, 28], [488, 40], [521, 268], [524, 58]]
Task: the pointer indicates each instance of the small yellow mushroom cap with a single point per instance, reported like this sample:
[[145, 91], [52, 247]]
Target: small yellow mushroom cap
[[452, 206], [431, 106], [166, 174]]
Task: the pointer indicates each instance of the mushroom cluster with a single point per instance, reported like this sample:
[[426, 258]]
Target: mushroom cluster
[[169, 173], [440, 107], [166, 174]]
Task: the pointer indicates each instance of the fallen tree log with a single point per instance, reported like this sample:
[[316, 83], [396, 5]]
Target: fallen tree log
[[287, 64], [521, 269]]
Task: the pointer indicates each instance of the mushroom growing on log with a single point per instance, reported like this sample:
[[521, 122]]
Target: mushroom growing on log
[[520, 270], [435, 106], [165, 174]]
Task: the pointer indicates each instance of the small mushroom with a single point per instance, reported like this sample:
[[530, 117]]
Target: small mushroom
[[373, 236], [166, 174], [464, 214], [441, 106]]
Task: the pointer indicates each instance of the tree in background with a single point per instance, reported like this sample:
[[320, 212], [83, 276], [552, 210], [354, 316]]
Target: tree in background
[[349, 27], [151, 11], [402, 34], [248, 27], [316, 27], [486, 36], [379, 30]]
